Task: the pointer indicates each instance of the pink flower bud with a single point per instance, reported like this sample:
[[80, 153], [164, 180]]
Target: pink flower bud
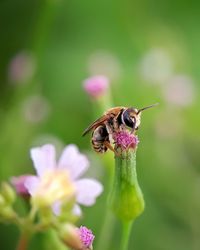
[[96, 86], [18, 184], [69, 234], [21, 68], [86, 237]]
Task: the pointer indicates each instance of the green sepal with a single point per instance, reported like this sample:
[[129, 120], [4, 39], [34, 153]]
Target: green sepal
[[126, 197]]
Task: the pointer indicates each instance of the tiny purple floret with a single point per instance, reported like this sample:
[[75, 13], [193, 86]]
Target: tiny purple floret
[[96, 86], [86, 236], [126, 140]]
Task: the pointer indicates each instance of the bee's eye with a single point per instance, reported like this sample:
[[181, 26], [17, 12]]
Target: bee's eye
[[128, 120]]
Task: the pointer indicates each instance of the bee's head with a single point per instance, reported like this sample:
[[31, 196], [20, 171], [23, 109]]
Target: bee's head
[[131, 117]]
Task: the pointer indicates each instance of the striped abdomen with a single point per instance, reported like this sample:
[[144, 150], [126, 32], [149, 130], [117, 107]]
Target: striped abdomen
[[99, 137]]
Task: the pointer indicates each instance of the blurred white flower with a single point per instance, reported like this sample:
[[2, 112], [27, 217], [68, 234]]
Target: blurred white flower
[[156, 66], [169, 124], [57, 182], [36, 109], [104, 63], [179, 90], [21, 68]]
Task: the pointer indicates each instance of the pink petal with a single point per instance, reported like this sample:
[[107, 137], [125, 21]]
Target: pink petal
[[96, 86], [31, 183], [43, 158], [72, 160], [87, 191], [18, 183]]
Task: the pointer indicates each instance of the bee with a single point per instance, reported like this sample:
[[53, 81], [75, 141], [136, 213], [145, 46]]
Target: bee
[[113, 120]]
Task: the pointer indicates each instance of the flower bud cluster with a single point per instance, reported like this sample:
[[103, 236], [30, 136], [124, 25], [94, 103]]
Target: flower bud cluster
[[53, 195], [7, 198]]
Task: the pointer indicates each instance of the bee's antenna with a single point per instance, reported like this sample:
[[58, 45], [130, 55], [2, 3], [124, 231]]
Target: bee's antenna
[[151, 106]]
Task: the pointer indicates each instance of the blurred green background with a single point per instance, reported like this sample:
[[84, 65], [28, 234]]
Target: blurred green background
[[150, 52]]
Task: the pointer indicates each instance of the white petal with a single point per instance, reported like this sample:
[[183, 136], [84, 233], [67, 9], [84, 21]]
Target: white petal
[[87, 191], [31, 183], [72, 160], [43, 158], [77, 210], [56, 207]]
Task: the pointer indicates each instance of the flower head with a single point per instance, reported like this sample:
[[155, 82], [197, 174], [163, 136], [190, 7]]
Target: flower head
[[96, 86], [36, 109], [69, 234], [22, 67], [57, 182], [76, 238], [180, 91], [156, 66], [86, 236], [125, 140]]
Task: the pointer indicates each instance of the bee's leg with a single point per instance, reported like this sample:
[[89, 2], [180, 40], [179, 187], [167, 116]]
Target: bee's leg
[[108, 145], [109, 127], [122, 127]]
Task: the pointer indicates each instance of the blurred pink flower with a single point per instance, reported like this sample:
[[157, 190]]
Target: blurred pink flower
[[96, 86], [53, 178], [36, 109], [86, 236], [21, 68], [162, 124], [156, 66], [179, 91], [18, 184]]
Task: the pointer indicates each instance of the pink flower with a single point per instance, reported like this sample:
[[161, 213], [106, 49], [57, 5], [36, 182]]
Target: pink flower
[[180, 91], [22, 67], [96, 86], [36, 109], [18, 184], [58, 181], [156, 66], [125, 140], [86, 236]]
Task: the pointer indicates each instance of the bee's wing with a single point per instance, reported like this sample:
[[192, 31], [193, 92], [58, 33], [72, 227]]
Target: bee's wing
[[95, 124]]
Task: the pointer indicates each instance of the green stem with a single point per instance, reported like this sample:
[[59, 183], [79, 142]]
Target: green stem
[[45, 18], [32, 213], [105, 236], [126, 230], [23, 241]]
